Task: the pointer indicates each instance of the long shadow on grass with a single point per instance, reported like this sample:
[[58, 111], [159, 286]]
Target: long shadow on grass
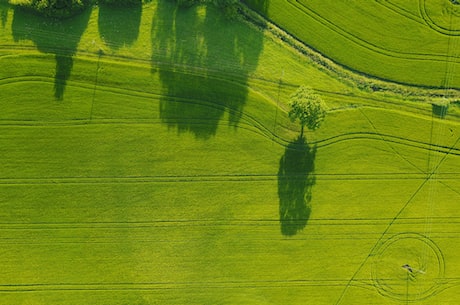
[[4, 8], [295, 181], [439, 110], [260, 6], [203, 61], [58, 37], [119, 25]]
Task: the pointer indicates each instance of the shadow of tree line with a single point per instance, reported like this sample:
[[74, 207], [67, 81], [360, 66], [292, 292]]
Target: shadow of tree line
[[295, 182], [118, 26], [191, 50], [52, 36], [4, 8], [260, 6], [439, 111], [193, 75]]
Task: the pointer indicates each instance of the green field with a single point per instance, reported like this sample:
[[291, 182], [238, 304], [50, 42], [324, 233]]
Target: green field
[[409, 41], [147, 158]]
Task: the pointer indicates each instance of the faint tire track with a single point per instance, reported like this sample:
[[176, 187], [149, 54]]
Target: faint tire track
[[371, 47]]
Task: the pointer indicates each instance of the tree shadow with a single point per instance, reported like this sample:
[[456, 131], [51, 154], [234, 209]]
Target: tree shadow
[[260, 6], [4, 8], [203, 61], [295, 181], [119, 25], [52, 36], [440, 110], [64, 66]]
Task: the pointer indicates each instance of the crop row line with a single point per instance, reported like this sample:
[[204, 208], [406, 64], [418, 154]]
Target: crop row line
[[178, 285], [447, 220], [365, 44], [187, 237], [281, 283], [401, 11], [228, 178]]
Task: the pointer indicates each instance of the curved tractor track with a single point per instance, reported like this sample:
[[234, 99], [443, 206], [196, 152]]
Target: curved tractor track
[[248, 121], [367, 45]]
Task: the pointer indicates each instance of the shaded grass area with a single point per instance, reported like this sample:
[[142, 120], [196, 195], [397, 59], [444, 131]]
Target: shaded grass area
[[189, 71], [119, 26], [3, 14], [295, 182], [60, 38]]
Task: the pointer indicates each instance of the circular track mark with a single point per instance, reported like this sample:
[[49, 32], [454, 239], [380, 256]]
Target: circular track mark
[[407, 267], [446, 20]]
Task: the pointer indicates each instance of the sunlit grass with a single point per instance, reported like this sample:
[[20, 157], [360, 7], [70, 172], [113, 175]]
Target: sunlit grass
[[168, 175]]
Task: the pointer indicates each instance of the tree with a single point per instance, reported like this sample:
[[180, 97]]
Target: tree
[[308, 108], [228, 7], [53, 8]]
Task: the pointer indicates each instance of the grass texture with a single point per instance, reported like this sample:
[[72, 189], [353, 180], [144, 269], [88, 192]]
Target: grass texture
[[154, 163], [412, 42]]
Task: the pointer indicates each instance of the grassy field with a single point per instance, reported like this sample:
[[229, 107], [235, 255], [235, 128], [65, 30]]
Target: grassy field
[[409, 41], [154, 163]]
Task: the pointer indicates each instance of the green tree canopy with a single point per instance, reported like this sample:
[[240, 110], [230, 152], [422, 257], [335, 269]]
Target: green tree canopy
[[53, 8], [307, 107], [67, 8]]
